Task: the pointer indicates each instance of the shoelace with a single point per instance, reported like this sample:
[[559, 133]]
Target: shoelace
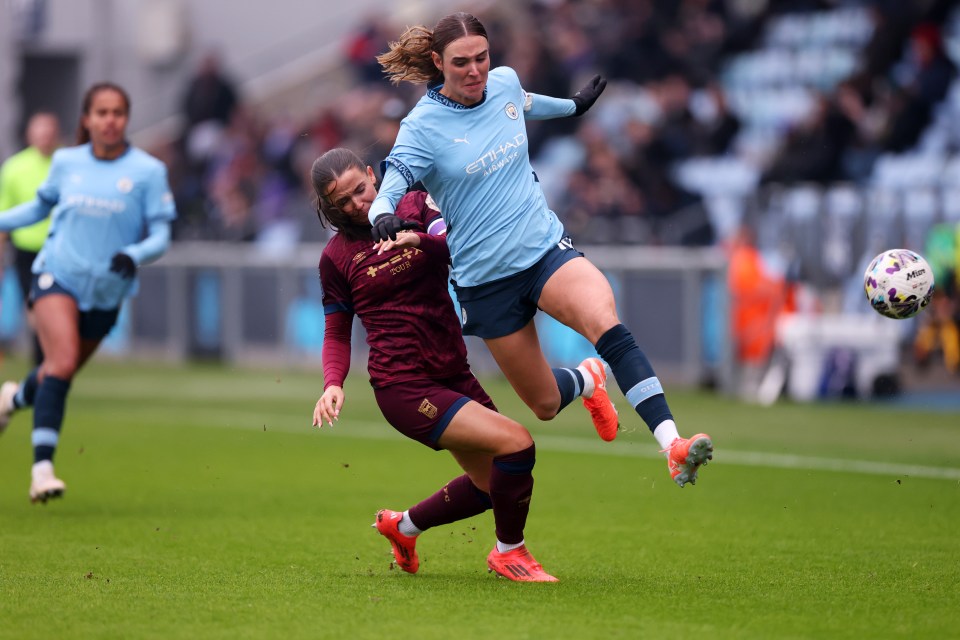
[[670, 448]]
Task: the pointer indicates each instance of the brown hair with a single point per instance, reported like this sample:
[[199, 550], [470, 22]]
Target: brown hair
[[327, 169], [83, 135], [409, 58]]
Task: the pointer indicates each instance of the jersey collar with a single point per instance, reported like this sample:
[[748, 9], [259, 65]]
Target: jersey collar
[[433, 92]]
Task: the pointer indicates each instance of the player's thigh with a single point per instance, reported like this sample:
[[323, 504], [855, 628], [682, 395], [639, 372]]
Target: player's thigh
[[579, 295], [475, 428], [57, 326], [95, 325], [88, 346], [423, 409], [521, 360]]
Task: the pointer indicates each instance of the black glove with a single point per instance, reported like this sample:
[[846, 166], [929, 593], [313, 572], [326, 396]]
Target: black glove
[[124, 265], [585, 98], [386, 226]]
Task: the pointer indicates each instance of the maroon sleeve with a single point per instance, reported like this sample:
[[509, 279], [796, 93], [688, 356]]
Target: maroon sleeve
[[335, 353], [333, 283], [434, 245], [419, 207], [338, 315]]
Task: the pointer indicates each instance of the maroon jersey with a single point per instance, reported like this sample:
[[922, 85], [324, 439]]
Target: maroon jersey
[[401, 298]]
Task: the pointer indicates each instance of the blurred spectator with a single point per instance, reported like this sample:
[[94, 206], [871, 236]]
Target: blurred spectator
[[210, 95], [672, 97], [938, 332], [814, 149], [209, 103], [601, 193], [363, 47], [922, 79], [757, 298], [20, 177], [714, 126]]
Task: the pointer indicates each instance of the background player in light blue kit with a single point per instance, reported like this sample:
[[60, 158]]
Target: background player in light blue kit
[[466, 141], [113, 213]]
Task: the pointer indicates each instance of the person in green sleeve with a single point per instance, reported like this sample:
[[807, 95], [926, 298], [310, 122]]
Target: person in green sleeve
[[20, 176]]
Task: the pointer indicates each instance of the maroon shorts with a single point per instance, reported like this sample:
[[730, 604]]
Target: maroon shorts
[[422, 409]]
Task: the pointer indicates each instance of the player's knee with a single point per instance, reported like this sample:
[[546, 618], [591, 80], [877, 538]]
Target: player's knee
[[60, 367], [520, 439], [512, 440], [545, 409]]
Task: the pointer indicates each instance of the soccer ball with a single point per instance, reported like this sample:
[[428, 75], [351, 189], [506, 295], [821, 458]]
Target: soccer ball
[[899, 283]]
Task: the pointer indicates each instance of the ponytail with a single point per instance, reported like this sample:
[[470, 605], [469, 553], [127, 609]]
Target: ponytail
[[411, 57]]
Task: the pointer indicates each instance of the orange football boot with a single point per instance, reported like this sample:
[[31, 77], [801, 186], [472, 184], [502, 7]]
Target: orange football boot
[[404, 547], [685, 456], [517, 564], [602, 412]]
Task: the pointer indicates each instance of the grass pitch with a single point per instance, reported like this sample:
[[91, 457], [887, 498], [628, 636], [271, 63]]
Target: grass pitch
[[201, 504]]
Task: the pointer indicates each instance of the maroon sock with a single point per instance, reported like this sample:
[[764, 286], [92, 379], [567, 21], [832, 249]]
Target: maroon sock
[[459, 499], [511, 486]]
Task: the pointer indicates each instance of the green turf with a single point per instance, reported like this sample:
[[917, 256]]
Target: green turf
[[201, 504]]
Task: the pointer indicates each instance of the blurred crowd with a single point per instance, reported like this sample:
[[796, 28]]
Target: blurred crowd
[[793, 92], [797, 91], [240, 174], [766, 127]]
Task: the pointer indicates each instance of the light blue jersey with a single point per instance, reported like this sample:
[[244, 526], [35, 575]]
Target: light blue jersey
[[102, 207], [475, 163]]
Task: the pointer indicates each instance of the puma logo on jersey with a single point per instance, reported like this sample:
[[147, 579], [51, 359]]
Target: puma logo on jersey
[[463, 140]]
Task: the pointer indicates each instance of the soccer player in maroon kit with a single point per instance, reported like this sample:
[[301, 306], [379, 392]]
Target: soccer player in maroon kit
[[418, 365]]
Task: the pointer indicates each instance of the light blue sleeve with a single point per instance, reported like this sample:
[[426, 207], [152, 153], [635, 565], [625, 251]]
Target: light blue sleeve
[[24, 214], [153, 246], [408, 162], [158, 200], [392, 188], [49, 190], [538, 107]]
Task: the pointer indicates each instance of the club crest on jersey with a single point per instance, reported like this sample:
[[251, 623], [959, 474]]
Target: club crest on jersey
[[124, 185], [428, 409], [511, 111]]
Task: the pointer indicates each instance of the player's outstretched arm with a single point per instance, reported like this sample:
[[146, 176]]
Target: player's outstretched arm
[[328, 406], [24, 214], [585, 98], [540, 107]]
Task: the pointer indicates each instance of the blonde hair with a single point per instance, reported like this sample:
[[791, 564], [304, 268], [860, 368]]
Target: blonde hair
[[410, 58]]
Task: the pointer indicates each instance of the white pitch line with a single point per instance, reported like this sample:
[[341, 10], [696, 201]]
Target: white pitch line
[[545, 442], [367, 430]]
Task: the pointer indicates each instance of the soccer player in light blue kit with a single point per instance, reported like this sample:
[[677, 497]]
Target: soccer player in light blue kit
[[466, 141], [113, 213]]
